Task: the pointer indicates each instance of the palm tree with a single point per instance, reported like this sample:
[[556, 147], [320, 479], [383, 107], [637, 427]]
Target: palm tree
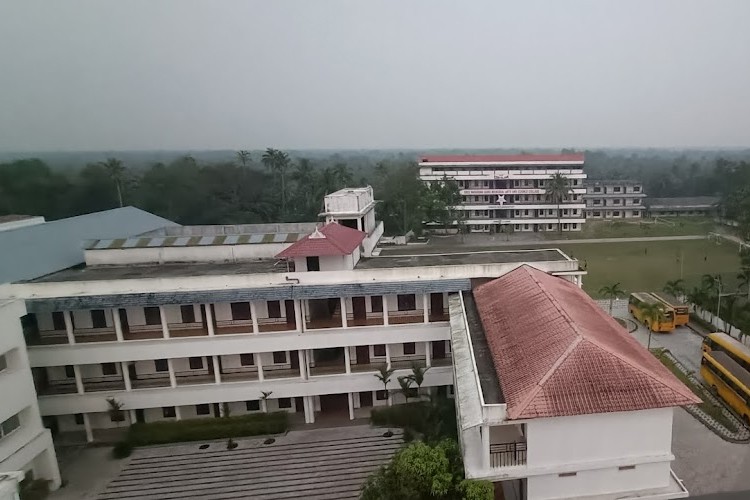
[[278, 161], [405, 383], [384, 375], [114, 408], [653, 314], [243, 156], [116, 171], [264, 400], [612, 292], [557, 191], [417, 375], [744, 280], [675, 288]]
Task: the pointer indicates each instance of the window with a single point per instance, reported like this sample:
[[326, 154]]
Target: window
[[3, 363], [252, 405], [196, 363], [549, 226], [636, 189], [597, 189], [407, 302], [69, 371], [597, 202], [247, 359], [410, 348], [274, 309], [285, 402], [78, 418], [109, 369], [152, 315], [526, 212], [615, 214], [618, 189], [378, 350], [279, 357], [161, 365], [58, 320], [98, 319], [168, 412], [240, 310], [313, 263], [617, 202], [377, 303], [9, 425], [187, 313], [381, 395], [203, 409], [637, 201]]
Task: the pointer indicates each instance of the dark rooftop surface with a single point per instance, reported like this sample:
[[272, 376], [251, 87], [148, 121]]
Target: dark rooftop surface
[[491, 390], [170, 270], [695, 201], [395, 258]]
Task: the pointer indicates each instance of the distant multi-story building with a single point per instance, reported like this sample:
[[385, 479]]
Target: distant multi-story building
[[510, 190], [614, 199], [703, 206]]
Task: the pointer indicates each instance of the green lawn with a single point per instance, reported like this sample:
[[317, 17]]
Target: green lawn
[[681, 226]]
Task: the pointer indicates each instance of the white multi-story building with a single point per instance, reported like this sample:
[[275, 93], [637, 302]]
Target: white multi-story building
[[509, 190], [614, 199]]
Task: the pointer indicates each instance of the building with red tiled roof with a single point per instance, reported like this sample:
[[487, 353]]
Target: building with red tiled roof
[[330, 248]]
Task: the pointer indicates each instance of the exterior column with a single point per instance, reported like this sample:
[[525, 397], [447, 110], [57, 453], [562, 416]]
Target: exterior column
[[299, 315], [118, 325], [254, 317], [177, 413], [343, 312], [210, 320], [388, 356], [172, 377], [217, 369], [347, 360], [263, 405], [87, 426], [259, 364], [164, 325], [79, 379], [385, 310], [69, 327], [580, 281], [302, 364], [351, 405], [306, 407], [133, 418], [126, 376], [311, 405], [221, 410], [485, 446], [426, 308], [428, 354], [359, 224]]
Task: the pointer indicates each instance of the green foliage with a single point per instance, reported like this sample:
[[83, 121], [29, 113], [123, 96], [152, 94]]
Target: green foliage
[[611, 292], [422, 471], [437, 200], [434, 419], [557, 190], [207, 428], [405, 383], [114, 408], [675, 288], [122, 449]]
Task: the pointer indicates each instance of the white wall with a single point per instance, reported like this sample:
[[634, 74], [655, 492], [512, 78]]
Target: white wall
[[222, 253]]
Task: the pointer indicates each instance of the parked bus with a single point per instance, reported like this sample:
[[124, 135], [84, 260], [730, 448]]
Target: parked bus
[[735, 349], [728, 380], [635, 307], [681, 310]]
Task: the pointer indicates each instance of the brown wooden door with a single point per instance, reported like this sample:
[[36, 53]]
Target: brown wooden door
[[438, 349], [210, 363], [365, 399], [363, 354], [291, 319], [294, 360], [359, 309], [436, 304]]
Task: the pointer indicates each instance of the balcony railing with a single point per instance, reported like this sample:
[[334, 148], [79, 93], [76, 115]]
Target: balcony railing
[[507, 454]]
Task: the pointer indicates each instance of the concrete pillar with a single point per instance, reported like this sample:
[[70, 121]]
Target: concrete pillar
[[133, 418], [485, 430], [388, 355], [428, 354], [359, 224], [126, 376], [118, 325], [580, 281], [299, 315], [79, 379], [164, 325], [302, 364], [87, 426], [259, 364], [351, 405], [221, 410], [343, 312], [210, 320], [385, 310], [217, 369], [50, 468], [254, 317], [310, 409], [347, 360], [263, 405], [172, 377], [426, 308], [69, 327], [177, 413]]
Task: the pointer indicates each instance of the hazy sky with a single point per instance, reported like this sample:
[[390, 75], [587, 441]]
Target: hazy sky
[[179, 74]]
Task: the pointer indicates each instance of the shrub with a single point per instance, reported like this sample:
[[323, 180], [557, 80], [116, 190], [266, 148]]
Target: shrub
[[434, 420], [122, 449], [207, 428]]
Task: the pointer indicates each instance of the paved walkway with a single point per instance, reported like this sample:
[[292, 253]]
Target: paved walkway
[[86, 472]]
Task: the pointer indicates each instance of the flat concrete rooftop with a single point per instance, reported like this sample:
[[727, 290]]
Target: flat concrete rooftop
[[391, 259]]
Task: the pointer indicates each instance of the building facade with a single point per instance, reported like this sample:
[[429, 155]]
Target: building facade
[[508, 192], [696, 206], [614, 199]]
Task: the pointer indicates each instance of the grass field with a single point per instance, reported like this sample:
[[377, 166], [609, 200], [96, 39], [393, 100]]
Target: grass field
[[683, 226]]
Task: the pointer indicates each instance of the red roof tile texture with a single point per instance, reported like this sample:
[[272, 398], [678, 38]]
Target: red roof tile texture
[[571, 158], [331, 239], [557, 353]]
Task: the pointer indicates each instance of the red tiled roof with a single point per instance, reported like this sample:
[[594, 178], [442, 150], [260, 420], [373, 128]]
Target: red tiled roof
[[331, 239], [557, 353], [501, 158]]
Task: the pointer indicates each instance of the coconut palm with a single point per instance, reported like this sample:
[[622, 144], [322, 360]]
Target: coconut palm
[[743, 277], [384, 375], [114, 408], [264, 400], [557, 191], [405, 383], [116, 172], [243, 156], [675, 288], [278, 162], [417, 375], [612, 292], [653, 314]]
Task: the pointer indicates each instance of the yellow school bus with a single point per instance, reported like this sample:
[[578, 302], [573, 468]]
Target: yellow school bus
[[635, 306], [681, 310], [735, 349], [728, 380]]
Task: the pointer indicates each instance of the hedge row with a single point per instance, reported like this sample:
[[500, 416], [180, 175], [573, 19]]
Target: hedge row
[[207, 428]]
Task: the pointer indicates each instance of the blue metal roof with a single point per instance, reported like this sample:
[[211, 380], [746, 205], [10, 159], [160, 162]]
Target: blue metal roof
[[241, 295]]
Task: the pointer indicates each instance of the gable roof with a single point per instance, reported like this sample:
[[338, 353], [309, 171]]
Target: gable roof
[[557, 353], [537, 158], [331, 239]]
